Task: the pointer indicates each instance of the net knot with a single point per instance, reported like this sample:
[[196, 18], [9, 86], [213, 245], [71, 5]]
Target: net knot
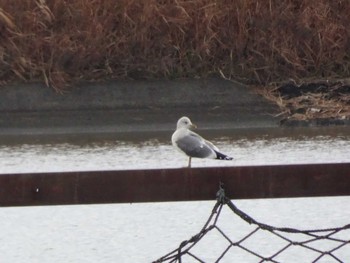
[[220, 195]]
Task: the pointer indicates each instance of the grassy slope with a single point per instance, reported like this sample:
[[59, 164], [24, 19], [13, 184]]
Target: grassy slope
[[60, 42]]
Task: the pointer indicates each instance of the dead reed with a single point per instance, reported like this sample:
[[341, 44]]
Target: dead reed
[[309, 101], [254, 41]]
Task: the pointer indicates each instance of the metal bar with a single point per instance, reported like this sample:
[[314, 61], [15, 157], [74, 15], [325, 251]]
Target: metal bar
[[174, 184]]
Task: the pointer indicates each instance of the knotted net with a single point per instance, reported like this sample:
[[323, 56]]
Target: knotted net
[[300, 242]]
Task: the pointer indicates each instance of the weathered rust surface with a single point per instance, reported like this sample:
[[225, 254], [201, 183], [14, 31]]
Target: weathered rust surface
[[174, 184]]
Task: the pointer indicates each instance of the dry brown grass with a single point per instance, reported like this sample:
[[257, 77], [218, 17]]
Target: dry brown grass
[[308, 101], [256, 41]]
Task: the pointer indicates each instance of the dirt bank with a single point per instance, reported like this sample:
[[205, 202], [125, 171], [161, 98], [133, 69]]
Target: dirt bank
[[125, 105]]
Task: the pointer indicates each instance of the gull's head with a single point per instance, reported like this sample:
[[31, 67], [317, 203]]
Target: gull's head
[[185, 122]]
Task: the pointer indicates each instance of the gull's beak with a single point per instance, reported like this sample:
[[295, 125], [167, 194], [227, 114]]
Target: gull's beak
[[193, 126]]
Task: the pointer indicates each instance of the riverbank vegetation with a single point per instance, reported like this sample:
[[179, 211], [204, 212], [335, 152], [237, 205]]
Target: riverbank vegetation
[[248, 40], [252, 41]]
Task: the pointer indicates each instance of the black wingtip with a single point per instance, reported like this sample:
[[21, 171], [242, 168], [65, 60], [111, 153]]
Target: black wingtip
[[221, 156]]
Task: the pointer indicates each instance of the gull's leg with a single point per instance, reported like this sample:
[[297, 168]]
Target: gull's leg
[[189, 162]]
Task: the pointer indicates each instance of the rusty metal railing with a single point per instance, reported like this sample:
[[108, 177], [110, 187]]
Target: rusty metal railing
[[174, 184]]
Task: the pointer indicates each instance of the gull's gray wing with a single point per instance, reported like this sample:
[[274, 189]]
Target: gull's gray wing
[[194, 146], [211, 145]]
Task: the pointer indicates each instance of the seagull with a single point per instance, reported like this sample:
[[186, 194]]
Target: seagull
[[192, 144]]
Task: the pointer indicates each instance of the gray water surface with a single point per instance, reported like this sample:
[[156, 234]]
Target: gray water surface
[[145, 232], [154, 150]]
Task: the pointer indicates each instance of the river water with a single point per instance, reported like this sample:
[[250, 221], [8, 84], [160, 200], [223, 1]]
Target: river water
[[145, 232]]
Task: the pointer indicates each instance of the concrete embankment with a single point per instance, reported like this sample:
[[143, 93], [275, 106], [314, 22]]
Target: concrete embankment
[[120, 106]]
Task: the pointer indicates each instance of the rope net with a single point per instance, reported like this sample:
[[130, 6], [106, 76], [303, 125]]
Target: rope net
[[317, 245]]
